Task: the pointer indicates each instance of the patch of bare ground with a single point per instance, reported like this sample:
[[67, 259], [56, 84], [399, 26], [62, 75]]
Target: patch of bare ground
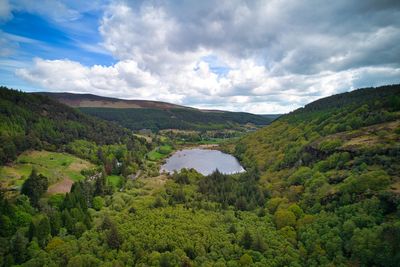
[[63, 186], [79, 165]]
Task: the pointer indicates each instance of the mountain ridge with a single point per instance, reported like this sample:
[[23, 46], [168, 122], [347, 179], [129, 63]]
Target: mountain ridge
[[83, 100], [92, 100], [156, 115]]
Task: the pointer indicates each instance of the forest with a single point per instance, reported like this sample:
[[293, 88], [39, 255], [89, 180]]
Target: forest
[[31, 121], [183, 119], [338, 159], [321, 188], [155, 116]]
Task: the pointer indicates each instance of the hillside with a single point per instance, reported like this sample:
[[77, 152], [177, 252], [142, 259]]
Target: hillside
[[95, 101], [141, 114], [338, 159], [60, 169], [183, 119], [32, 121]]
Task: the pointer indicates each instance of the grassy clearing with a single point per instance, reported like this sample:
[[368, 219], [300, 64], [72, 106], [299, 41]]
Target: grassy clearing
[[159, 153], [114, 180], [154, 155], [55, 166], [147, 138]]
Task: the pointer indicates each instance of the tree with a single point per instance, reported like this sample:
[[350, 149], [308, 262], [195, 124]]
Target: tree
[[79, 229], [55, 222], [6, 227], [18, 245], [246, 260], [107, 223], [40, 229], [68, 221], [158, 203], [100, 155], [100, 185], [98, 202], [232, 229], [32, 230], [284, 218], [168, 259], [297, 211], [246, 240], [34, 187], [85, 260], [259, 243], [43, 231], [114, 239]]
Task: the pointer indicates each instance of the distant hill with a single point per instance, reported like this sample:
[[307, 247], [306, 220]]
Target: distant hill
[[369, 95], [270, 116], [95, 101], [154, 115]]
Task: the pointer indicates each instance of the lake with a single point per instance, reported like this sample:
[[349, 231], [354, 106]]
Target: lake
[[205, 161]]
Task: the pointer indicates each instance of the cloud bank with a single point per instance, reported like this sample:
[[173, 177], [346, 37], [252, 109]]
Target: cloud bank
[[255, 56]]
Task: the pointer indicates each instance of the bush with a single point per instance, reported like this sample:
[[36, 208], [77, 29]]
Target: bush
[[284, 218], [98, 202], [246, 260], [371, 181], [330, 145]]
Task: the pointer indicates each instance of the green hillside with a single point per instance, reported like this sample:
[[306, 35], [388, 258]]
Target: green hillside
[[55, 166], [338, 159], [155, 115], [32, 121], [185, 119]]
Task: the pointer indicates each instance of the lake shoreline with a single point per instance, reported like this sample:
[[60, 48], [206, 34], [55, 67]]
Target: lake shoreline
[[205, 160]]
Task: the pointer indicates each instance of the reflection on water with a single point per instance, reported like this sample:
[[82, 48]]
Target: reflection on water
[[204, 161]]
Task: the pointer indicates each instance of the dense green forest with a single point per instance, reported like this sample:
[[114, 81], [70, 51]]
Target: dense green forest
[[338, 159], [35, 122], [178, 118], [155, 115], [321, 188]]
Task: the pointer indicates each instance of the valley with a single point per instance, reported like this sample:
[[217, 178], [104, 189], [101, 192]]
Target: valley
[[320, 186]]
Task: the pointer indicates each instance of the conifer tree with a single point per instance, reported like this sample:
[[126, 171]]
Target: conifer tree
[[34, 187]]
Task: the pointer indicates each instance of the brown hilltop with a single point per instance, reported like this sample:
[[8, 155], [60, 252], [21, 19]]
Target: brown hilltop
[[94, 101]]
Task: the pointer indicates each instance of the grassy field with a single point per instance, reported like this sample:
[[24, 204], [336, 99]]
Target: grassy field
[[114, 180], [159, 153], [55, 166]]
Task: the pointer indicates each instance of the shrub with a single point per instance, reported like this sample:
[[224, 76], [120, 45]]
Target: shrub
[[284, 218], [98, 202]]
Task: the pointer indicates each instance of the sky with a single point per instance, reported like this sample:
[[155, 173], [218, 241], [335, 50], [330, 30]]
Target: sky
[[264, 57]]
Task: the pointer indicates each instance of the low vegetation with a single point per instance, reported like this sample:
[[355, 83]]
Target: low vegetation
[[55, 166], [159, 152]]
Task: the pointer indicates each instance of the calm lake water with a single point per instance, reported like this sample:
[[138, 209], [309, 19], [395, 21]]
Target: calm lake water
[[204, 161]]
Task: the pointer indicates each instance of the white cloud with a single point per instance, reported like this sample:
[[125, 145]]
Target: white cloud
[[54, 9], [70, 76], [5, 10], [262, 57]]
